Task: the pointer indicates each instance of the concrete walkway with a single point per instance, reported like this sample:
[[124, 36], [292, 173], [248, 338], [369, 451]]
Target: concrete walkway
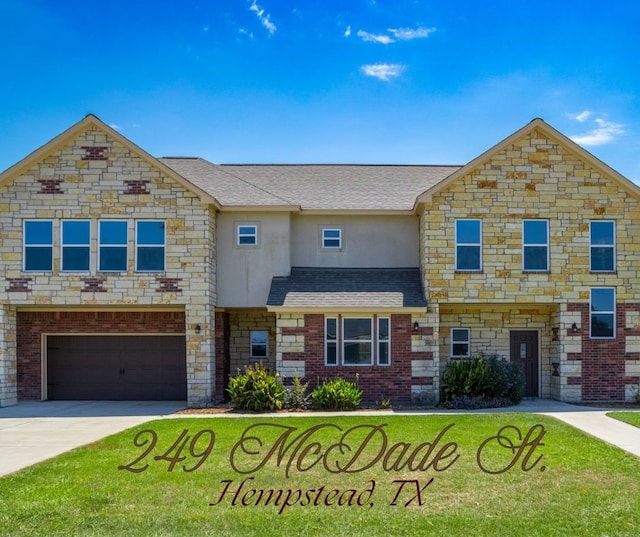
[[32, 431]]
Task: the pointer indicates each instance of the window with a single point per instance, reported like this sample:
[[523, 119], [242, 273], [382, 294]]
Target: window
[[357, 341], [247, 235], [76, 245], [603, 312], [259, 344], [38, 245], [468, 245], [331, 341], [332, 239], [383, 341], [460, 342], [535, 245], [150, 238], [603, 247], [112, 240]]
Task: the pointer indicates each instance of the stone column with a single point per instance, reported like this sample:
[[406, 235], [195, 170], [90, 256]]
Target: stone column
[[8, 357], [201, 355]]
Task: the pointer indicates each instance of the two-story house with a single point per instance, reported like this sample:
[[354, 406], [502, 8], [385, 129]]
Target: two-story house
[[133, 277]]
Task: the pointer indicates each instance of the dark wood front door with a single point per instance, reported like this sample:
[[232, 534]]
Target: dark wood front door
[[524, 352]]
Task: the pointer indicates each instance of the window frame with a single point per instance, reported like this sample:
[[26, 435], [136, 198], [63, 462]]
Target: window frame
[[467, 341], [253, 344], [83, 246], [344, 341], [526, 245], [611, 246], [593, 312], [25, 245], [240, 235], [477, 245], [324, 238], [380, 341], [139, 245], [124, 246]]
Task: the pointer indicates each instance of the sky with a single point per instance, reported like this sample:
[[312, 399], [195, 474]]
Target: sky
[[323, 81]]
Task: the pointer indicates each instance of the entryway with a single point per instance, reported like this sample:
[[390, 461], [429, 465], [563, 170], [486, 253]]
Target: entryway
[[523, 350]]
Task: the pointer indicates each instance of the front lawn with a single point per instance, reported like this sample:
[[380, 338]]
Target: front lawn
[[443, 475], [632, 418]]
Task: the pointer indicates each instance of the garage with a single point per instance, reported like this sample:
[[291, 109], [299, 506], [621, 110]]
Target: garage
[[117, 368]]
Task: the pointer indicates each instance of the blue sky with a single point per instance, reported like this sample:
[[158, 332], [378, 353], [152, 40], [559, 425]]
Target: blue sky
[[323, 81]]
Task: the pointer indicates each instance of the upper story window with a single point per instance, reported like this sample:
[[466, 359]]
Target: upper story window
[[150, 245], [259, 343], [332, 238], [38, 245], [112, 240], [75, 243], [384, 341], [469, 245], [603, 312], [535, 245], [602, 245], [247, 235], [460, 342]]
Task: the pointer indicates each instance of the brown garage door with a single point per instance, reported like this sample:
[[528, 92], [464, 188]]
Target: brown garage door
[[116, 368]]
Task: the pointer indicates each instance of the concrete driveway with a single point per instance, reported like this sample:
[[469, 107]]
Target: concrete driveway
[[34, 431]]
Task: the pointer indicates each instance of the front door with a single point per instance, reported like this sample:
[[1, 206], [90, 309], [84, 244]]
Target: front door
[[524, 352]]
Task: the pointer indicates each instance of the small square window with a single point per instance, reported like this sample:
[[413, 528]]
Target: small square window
[[76, 245], [38, 245], [259, 344], [332, 239], [150, 246], [247, 235], [460, 342]]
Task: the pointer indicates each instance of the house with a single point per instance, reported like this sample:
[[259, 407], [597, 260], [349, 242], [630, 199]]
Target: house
[[133, 277]]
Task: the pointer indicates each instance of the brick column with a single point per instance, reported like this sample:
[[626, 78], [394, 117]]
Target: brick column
[[8, 361]]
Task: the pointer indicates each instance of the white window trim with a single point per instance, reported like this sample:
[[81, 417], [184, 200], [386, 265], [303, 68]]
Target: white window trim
[[345, 341], [138, 245], [266, 332], [524, 245], [125, 245], [338, 238], [334, 341], [379, 340], [467, 341], [62, 246], [613, 312], [477, 245], [254, 235], [25, 245], [612, 246]]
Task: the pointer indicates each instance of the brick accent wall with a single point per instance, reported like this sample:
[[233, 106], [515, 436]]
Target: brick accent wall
[[32, 324], [222, 355]]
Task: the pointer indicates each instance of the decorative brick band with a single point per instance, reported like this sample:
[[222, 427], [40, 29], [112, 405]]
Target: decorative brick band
[[136, 186], [50, 186], [94, 285], [94, 153], [168, 285], [18, 285]]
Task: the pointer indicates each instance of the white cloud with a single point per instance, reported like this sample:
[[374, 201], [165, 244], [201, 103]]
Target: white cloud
[[405, 34], [205, 28], [582, 116], [115, 127], [383, 71], [265, 18], [373, 38], [347, 32], [604, 133]]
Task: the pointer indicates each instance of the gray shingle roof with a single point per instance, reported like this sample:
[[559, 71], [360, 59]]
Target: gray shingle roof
[[322, 187], [332, 287]]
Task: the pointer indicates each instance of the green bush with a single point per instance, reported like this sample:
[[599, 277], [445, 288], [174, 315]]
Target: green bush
[[256, 390], [296, 396], [337, 394], [481, 382]]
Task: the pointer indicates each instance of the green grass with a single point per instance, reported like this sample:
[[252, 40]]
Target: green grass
[[632, 418], [580, 486]]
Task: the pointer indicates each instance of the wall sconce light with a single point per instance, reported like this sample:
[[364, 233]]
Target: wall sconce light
[[198, 329], [416, 326], [574, 328]]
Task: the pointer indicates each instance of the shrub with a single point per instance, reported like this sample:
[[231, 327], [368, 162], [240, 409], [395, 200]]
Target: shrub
[[296, 396], [256, 390], [493, 380], [337, 394]]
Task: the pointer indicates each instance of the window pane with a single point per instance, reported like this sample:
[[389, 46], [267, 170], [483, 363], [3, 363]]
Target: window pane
[[460, 349], [259, 344], [38, 258], [113, 259], [602, 259], [383, 328], [535, 232], [332, 355], [75, 233], [331, 243], [246, 240], [150, 258], [332, 331], [383, 353], [357, 353], [75, 258], [460, 335], [535, 258], [38, 233], [150, 233], [246, 230], [468, 231], [468, 258], [602, 233], [113, 232], [357, 329], [602, 324], [331, 233], [602, 300]]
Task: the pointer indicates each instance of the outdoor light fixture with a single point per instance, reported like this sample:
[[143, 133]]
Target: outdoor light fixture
[[198, 328], [416, 326], [574, 328]]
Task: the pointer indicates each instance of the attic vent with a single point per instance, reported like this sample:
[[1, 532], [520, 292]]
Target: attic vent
[[94, 153]]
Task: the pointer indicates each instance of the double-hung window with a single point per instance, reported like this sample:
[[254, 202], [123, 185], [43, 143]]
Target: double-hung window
[[384, 340], [535, 245], [76, 245], [38, 245], [331, 341], [112, 239], [357, 345], [246, 235], [460, 342], [259, 344], [602, 244], [150, 245], [468, 245], [332, 239], [603, 312]]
